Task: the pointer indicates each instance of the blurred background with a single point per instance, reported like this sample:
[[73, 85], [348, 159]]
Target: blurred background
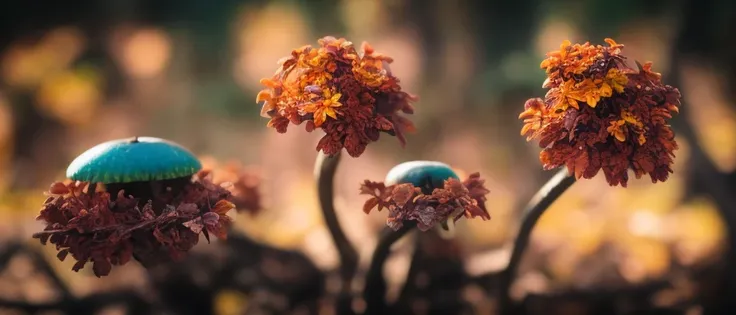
[[74, 74]]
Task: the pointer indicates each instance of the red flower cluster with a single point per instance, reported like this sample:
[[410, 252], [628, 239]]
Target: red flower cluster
[[406, 202], [601, 114], [352, 97], [109, 230]]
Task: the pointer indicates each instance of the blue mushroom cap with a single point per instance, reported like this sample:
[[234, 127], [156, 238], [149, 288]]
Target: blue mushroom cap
[[426, 174], [133, 160]]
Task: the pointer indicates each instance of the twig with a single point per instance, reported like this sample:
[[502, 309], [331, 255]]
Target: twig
[[324, 172], [375, 285], [552, 190]]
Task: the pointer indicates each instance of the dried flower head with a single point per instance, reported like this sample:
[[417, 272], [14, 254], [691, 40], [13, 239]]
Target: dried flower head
[[405, 201], [601, 114], [144, 208], [110, 227], [352, 97]]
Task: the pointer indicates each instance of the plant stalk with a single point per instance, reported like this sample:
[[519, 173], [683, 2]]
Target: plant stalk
[[374, 292], [324, 172], [553, 189]]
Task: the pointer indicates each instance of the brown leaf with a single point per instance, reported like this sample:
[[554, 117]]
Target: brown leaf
[[223, 206], [101, 268], [79, 265], [402, 194], [62, 254], [188, 209], [370, 204], [58, 188], [195, 225]]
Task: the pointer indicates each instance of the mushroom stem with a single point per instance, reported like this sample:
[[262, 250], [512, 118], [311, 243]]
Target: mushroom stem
[[374, 292], [324, 173], [91, 189], [546, 195]]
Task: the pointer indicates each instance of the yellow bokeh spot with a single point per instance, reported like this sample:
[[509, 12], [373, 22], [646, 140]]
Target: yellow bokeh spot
[[70, 96], [146, 53], [229, 302], [289, 225], [262, 33], [26, 66], [643, 258], [495, 231], [714, 120], [696, 230]]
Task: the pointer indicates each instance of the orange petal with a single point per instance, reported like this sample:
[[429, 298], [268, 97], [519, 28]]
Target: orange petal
[[263, 95], [547, 82], [528, 113], [266, 109], [367, 48], [270, 83], [611, 42], [223, 206], [525, 129]]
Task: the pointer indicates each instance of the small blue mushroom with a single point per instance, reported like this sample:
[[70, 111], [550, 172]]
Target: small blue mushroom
[[138, 159], [425, 174]]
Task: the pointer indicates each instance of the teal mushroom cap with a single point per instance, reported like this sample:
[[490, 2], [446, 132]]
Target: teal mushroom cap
[[425, 174], [136, 159]]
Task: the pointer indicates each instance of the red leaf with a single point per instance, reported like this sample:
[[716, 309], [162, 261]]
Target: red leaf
[[62, 254], [581, 163], [195, 225], [79, 265], [101, 268], [58, 188], [370, 204], [219, 230], [210, 218], [383, 123], [188, 209]]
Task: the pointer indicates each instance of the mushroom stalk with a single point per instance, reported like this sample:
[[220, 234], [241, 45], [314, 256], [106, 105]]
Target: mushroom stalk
[[375, 285], [546, 195], [324, 172]]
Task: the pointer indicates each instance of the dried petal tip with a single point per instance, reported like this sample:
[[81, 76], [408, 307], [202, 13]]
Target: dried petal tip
[[601, 114], [410, 194], [352, 97]]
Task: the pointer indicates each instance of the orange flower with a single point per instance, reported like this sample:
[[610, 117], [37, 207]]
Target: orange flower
[[325, 107], [623, 125], [357, 92]]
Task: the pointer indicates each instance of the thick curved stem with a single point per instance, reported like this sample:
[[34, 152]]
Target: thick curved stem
[[546, 195], [324, 172], [374, 292], [402, 304]]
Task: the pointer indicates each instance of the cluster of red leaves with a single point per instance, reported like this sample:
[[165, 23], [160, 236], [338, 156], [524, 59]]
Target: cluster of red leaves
[[406, 202], [600, 114], [107, 231], [352, 97]]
